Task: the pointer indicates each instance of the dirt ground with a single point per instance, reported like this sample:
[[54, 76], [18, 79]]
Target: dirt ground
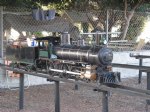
[[41, 99]]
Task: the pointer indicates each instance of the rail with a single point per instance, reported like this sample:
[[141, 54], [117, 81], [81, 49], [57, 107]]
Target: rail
[[115, 88]]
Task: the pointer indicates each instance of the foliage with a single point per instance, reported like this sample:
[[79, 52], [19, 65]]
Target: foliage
[[59, 4], [135, 29], [38, 34], [17, 3], [74, 4], [126, 5]]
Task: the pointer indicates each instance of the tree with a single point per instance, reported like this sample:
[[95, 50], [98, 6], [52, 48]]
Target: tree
[[128, 14], [17, 3], [129, 7], [59, 4]]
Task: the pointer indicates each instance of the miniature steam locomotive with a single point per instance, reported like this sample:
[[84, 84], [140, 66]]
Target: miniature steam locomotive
[[65, 61]]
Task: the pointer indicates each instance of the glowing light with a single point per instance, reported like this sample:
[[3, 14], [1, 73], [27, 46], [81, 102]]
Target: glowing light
[[14, 34], [146, 33]]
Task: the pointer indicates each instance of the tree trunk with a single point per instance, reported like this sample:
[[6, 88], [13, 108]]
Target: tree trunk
[[125, 29], [127, 23]]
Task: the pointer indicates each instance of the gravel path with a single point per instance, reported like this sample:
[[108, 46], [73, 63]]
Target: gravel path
[[41, 99]]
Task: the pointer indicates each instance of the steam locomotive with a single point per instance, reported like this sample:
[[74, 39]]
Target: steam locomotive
[[87, 63]]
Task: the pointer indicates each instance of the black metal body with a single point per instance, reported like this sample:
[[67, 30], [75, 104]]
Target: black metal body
[[91, 55]]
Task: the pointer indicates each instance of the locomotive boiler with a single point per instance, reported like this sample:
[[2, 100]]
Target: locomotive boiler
[[87, 63], [91, 55]]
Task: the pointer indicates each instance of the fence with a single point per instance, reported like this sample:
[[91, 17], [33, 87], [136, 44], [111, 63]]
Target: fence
[[93, 27]]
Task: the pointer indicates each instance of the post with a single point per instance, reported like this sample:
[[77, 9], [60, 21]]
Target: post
[[107, 22], [148, 85], [21, 92], [76, 87], [57, 97], [1, 32], [105, 101], [148, 88], [140, 72]]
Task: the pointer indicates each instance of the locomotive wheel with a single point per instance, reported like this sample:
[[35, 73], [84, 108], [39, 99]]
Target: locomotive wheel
[[41, 64], [28, 68], [64, 67], [14, 65], [51, 66], [75, 69]]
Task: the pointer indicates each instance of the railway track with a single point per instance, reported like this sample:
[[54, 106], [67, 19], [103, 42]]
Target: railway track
[[115, 88]]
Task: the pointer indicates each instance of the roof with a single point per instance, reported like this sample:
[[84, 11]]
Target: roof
[[27, 23], [75, 16]]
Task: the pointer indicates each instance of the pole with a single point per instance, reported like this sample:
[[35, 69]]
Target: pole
[[21, 92], [107, 17], [2, 72], [140, 72], [1, 32], [105, 101], [57, 97]]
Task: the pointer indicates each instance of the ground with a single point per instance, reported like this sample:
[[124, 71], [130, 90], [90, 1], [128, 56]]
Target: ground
[[41, 99]]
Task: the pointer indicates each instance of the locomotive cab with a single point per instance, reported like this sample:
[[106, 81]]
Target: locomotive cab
[[45, 46]]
